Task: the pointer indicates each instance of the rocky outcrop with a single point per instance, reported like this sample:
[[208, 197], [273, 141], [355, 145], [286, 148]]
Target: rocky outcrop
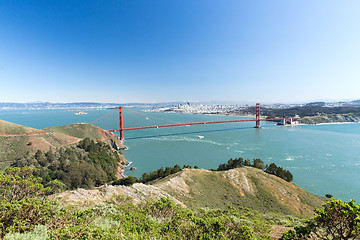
[[138, 192]]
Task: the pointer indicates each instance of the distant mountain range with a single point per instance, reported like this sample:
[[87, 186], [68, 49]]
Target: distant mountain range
[[74, 105], [335, 104], [82, 105]]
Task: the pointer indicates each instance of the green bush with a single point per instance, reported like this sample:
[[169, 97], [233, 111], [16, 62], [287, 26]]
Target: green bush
[[120, 219], [336, 220], [39, 233], [257, 163], [87, 165], [24, 215], [128, 181]]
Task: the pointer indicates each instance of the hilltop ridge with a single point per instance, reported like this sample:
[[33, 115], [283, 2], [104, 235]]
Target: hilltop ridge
[[244, 186], [13, 128], [17, 140], [83, 130]]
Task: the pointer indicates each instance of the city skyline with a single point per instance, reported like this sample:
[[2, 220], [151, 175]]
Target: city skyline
[[168, 51]]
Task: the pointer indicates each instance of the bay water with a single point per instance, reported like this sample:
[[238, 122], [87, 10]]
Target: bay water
[[324, 159]]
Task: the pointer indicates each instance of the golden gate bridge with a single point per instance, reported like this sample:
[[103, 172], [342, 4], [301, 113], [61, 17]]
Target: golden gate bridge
[[122, 129]]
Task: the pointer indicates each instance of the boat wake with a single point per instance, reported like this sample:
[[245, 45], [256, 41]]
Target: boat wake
[[186, 139]]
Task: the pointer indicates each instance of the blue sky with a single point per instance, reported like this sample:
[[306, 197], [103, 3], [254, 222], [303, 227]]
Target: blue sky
[[161, 50]]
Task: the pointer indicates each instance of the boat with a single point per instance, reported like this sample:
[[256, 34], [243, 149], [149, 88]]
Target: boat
[[200, 137], [80, 113]]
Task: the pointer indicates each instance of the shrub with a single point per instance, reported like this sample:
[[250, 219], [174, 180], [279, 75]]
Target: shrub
[[336, 220], [24, 215], [128, 181], [20, 183], [39, 233], [257, 163]]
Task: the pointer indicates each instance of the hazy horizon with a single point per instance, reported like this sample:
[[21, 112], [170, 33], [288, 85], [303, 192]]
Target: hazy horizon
[[200, 102]]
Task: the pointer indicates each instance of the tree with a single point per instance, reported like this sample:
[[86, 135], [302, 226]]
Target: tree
[[239, 162], [336, 220], [222, 167], [40, 157], [272, 168], [128, 181], [50, 156], [279, 171], [247, 162], [160, 173], [328, 196], [176, 169], [230, 163], [167, 171], [20, 183], [145, 178], [288, 176], [257, 163]]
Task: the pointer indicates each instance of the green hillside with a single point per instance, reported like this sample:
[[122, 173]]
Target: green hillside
[[83, 130], [245, 186], [12, 128], [245, 196], [14, 146], [199, 188], [79, 130]]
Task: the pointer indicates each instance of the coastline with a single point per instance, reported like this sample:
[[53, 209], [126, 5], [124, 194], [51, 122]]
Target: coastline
[[253, 116], [120, 169], [207, 113], [330, 123]]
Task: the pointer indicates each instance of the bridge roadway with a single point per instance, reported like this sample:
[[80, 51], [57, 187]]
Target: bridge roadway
[[193, 123]]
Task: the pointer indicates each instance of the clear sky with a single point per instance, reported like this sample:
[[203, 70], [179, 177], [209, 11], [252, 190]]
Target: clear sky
[[175, 50]]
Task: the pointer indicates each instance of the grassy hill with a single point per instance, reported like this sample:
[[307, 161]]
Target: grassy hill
[[83, 130], [267, 204], [13, 145], [12, 128], [79, 130], [199, 188], [246, 186]]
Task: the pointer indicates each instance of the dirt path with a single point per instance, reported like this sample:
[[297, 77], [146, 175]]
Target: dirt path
[[23, 134]]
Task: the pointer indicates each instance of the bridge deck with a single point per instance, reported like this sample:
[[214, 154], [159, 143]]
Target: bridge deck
[[192, 123]]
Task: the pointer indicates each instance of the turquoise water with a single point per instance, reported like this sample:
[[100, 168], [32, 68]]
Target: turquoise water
[[323, 158]]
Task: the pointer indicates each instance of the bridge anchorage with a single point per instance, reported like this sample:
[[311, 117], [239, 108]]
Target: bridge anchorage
[[257, 121]]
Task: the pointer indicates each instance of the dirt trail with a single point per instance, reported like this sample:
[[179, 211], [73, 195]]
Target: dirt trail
[[23, 134]]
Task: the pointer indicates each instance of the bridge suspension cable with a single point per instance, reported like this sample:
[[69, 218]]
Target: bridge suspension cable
[[171, 121], [151, 116], [103, 116]]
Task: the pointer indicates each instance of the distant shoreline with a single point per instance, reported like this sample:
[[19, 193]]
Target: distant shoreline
[[253, 116], [331, 123]]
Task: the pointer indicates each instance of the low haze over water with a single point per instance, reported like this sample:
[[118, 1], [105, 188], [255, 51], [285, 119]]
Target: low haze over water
[[324, 159]]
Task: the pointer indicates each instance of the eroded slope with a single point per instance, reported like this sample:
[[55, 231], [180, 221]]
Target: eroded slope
[[246, 186]]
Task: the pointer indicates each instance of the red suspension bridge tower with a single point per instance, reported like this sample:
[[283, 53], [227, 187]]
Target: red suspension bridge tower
[[257, 115], [121, 123]]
